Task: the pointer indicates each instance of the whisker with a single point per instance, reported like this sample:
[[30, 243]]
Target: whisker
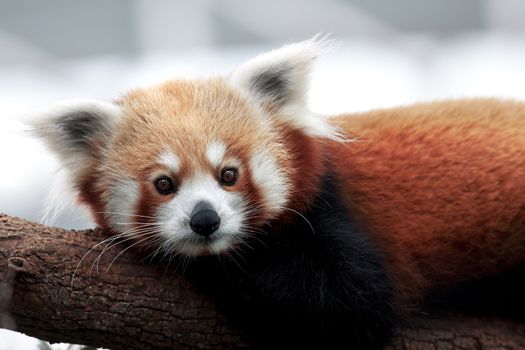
[[126, 214], [139, 223], [128, 247], [300, 215], [154, 242], [85, 255], [130, 235]]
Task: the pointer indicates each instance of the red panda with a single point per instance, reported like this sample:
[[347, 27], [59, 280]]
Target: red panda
[[334, 226]]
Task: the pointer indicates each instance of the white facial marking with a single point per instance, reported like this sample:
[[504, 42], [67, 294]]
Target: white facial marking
[[270, 180], [170, 160], [215, 153], [174, 217], [124, 195]]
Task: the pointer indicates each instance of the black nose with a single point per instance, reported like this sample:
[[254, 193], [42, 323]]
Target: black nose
[[204, 220]]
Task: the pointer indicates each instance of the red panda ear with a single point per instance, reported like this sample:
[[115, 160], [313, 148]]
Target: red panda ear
[[76, 130], [280, 79]]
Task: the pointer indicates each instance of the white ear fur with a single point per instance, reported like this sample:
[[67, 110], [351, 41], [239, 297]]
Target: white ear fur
[[280, 79], [72, 128]]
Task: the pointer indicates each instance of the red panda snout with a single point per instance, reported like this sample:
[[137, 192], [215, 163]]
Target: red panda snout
[[201, 218]]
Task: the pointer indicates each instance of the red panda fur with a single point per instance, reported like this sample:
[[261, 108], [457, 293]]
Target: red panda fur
[[440, 187]]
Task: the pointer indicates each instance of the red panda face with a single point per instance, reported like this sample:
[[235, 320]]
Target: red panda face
[[194, 167]]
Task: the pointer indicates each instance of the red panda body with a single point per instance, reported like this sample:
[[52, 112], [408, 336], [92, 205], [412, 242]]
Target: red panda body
[[339, 223], [440, 188]]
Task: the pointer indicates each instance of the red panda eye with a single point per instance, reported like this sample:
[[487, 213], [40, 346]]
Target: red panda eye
[[229, 176], [164, 185]]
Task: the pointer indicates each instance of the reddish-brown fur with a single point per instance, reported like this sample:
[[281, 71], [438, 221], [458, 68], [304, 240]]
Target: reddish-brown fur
[[440, 187], [92, 196], [308, 164]]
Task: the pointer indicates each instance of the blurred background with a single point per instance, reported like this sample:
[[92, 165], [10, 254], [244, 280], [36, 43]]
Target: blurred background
[[389, 53]]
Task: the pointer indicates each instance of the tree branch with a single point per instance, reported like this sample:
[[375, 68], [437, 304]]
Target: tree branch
[[136, 305]]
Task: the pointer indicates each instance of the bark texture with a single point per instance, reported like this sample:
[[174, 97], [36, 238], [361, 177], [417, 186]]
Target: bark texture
[[136, 305]]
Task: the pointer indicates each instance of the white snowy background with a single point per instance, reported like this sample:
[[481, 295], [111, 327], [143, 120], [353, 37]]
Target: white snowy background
[[390, 53]]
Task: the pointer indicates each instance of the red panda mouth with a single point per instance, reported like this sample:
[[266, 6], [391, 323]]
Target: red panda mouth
[[204, 241], [195, 245]]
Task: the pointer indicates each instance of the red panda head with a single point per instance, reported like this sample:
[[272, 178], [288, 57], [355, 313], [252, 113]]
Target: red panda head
[[196, 166]]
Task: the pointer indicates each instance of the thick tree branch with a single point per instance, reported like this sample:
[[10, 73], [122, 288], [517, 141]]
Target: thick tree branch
[[136, 305]]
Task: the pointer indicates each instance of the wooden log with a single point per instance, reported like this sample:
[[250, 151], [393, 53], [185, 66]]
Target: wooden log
[[53, 287]]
